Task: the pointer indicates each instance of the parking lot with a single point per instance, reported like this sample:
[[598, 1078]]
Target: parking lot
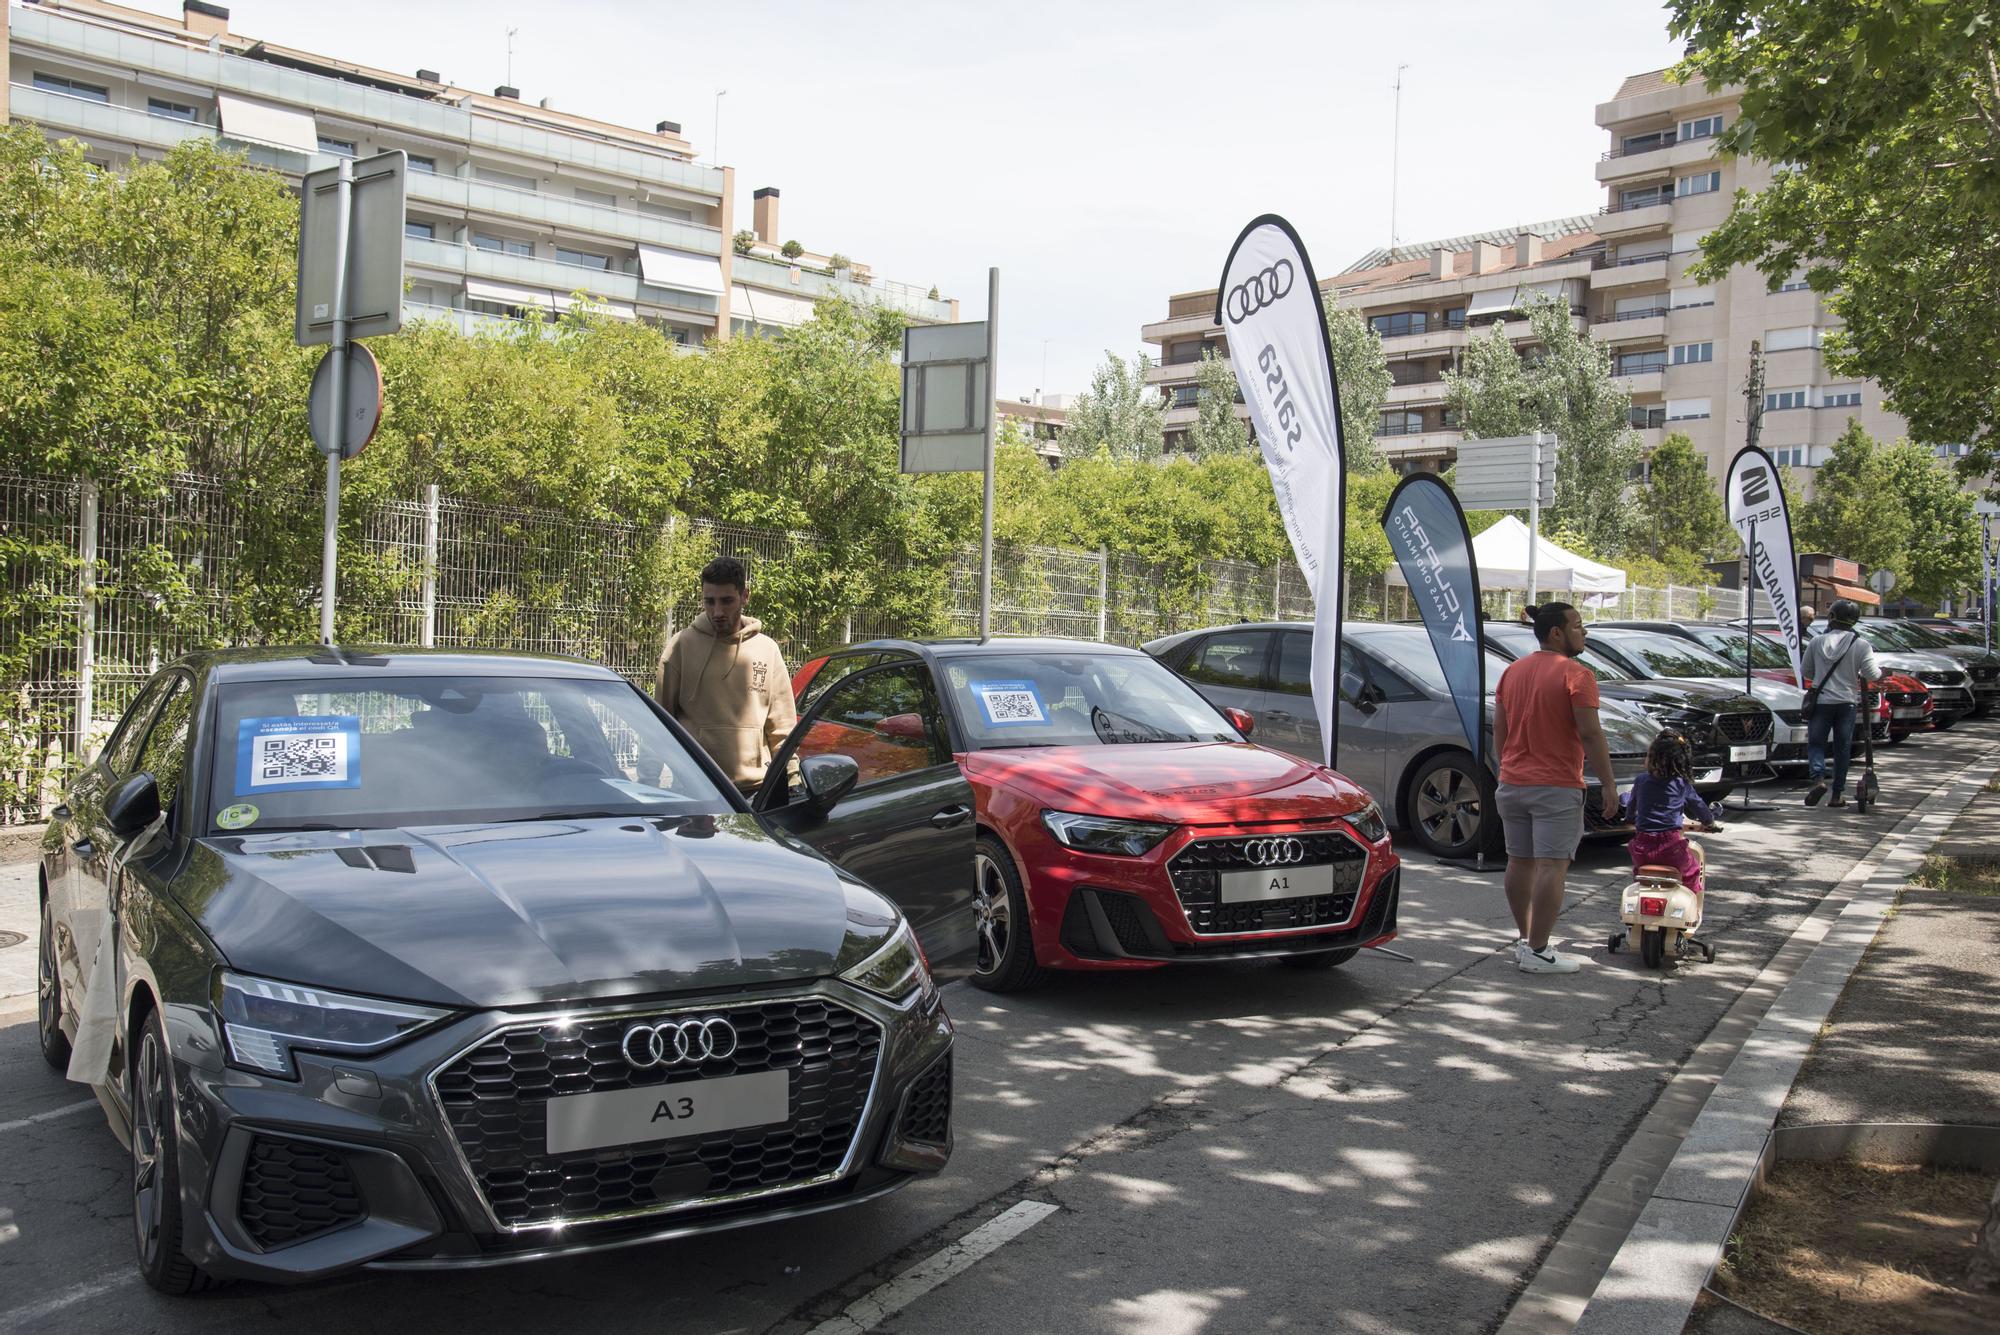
[[1389, 1146]]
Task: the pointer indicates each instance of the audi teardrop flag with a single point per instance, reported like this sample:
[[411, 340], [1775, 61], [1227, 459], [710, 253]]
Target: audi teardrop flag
[[1756, 505], [1428, 534], [1268, 305]]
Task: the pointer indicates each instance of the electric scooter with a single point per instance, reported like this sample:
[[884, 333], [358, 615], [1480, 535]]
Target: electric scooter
[[1663, 914], [1866, 790]]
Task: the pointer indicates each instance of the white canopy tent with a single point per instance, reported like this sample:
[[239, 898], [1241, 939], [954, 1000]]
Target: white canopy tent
[[1501, 553]]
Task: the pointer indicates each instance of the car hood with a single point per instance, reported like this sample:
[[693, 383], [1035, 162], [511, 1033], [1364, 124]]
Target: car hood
[[1680, 693], [1187, 783], [1914, 661], [521, 913], [1777, 695]]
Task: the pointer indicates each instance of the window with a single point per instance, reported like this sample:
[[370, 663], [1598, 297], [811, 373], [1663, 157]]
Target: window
[[834, 671], [1701, 183], [1689, 354], [1234, 658], [1645, 419], [164, 756], [422, 294], [1629, 256], [1642, 143], [1793, 456], [1796, 283], [1411, 373], [340, 148], [1643, 197], [1689, 241], [124, 744], [1841, 398], [1295, 650], [1784, 340], [1686, 410], [1780, 400], [423, 231], [56, 83], [428, 166], [508, 244], [1186, 396], [648, 207], [1399, 324], [1639, 363], [601, 198], [582, 257], [1953, 451], [1705, 127], [1405, 423], [1455, 318], [508, 179], [173, 111], [1684, 298], [885, 722], [1639, 308]]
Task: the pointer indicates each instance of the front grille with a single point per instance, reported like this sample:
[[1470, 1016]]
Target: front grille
[[1986, 672], [495, 1097], [1197, 875], [1744, 728], [1939, 677], [1122, 912], [293, 1191], [927, 1107]]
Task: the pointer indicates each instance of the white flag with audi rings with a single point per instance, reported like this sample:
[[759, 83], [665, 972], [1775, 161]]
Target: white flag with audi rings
[[1756, 506], [1268, 306]]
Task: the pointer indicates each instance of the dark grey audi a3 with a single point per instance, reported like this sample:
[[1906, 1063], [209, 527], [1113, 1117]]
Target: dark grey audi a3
[[422, 960]]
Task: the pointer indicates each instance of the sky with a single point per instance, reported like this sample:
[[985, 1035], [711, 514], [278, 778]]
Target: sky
[[1102, 155]]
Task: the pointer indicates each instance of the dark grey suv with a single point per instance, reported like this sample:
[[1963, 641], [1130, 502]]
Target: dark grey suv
[[418, 960]]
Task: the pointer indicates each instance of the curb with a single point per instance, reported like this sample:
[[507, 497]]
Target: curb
[[1667, 1258]]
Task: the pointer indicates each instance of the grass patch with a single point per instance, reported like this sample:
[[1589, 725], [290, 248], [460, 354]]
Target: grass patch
[[1959, 876]]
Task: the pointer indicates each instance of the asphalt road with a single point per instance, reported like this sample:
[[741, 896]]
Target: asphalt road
[[1387, 1147]]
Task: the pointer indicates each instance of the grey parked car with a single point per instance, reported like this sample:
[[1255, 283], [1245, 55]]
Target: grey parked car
[[1400, 735]]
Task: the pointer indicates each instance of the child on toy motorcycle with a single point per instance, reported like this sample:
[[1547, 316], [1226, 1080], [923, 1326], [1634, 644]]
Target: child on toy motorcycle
[[1660, 799]]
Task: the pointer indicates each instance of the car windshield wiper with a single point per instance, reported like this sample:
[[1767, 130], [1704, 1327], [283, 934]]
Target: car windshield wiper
[[569, 815], [1138, 730]]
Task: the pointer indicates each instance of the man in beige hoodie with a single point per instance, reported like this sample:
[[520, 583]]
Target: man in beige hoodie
[[725, 680]]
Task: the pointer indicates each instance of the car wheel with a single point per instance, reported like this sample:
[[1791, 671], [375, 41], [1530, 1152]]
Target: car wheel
[[1322, 959], [156, 1177], [1005, 957], [1449, 805], [48, 997]]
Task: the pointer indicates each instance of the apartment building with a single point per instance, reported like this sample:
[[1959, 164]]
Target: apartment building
[[1041, 418], [1683, 347], [772, 291], [513, 206], [1425, 301]]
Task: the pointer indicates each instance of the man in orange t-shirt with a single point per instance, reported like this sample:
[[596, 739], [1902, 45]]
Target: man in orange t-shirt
[[1544, 722]]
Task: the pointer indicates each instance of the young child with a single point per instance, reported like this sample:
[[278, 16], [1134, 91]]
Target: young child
[[1660, 798]]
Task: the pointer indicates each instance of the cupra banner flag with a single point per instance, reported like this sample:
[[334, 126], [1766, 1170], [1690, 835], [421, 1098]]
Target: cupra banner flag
[[1427, 533], [1268, 305], [1757, 508]]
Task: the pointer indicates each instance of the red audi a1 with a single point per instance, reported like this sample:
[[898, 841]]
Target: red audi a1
[[1122, 822]]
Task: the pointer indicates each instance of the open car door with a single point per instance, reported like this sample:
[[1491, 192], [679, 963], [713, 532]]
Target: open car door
[[906, 827]]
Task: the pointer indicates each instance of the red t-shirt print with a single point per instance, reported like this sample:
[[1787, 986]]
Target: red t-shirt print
[[1538, 694]]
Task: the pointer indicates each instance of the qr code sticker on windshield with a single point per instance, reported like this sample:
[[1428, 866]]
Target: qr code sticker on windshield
[[298, 752], [282, 758], [1008, 703]]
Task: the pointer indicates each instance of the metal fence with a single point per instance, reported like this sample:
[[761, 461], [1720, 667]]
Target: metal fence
[[94, 597]]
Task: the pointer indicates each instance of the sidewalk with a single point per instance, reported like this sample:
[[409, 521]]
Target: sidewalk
[[17, 919]]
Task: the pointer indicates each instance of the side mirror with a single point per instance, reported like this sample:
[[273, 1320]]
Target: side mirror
[[827, 779], [905, 726], [132, 804], [1241, 719]]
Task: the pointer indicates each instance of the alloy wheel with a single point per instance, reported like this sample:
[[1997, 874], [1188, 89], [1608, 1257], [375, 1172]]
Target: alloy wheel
[[45, 980], [989, 907], [149, 1114], [1448, 807]]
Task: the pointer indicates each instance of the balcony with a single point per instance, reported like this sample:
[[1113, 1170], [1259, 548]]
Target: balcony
[[1644, 272], [94, 121], [1438, 444], [1616, 221], [1647, 326], [1663, 157], [1648, 380], [906, 297], [460, 260], [1414, 395], [486, 199], [1178, 326], [1175, 373]]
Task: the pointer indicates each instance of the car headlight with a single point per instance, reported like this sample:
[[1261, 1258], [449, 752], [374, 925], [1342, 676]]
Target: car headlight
[[1663, 713], [895, 969], [264, 1022], [1105, 834], [1368, 823]]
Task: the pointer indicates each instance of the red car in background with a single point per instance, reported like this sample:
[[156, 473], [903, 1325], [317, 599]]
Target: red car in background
[[1122, 822], [1902, 703]]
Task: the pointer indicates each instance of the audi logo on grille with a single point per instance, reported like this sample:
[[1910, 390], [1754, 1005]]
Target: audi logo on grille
[[1257, 291], [677, 1042], [1273, 852]]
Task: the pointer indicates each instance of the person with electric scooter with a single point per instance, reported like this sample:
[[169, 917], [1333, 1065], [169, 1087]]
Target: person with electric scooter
[[1837, 663]]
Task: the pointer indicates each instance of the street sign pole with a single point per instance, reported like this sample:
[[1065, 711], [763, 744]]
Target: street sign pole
[[343, 215], [1534, 515], [986, 521]]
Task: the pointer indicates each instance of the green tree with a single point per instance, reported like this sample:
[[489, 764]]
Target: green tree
[[1217, 429], [1361, 370], [1120, 413], [1886, 116], [791, 250], [743, 242], [1682, 507], [1942, 554], [1855, 511], [1562, 385]]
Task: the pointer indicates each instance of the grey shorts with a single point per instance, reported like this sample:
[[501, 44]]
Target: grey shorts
[[1541, 822]]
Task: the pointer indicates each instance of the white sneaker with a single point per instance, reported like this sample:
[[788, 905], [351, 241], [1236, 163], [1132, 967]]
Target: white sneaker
[[1520, 950], [1546, 960]]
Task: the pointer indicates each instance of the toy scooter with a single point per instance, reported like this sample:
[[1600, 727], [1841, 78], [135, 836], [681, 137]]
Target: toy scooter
[[1663, 914]]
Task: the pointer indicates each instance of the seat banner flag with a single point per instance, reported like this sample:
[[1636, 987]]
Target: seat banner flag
[[1756, 505], [1428, 535], [1268, 303]]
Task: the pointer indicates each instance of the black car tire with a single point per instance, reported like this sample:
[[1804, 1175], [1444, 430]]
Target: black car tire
[[1322, 959], [156, 1175], [1436, 807], [1004, 950], [48, 997]]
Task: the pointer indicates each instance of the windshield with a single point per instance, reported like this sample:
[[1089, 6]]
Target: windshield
[[1764, 651], [1408, 649], [1668, 656], [1915, 636], [1519, 641], [335, 754], [1008, 700]]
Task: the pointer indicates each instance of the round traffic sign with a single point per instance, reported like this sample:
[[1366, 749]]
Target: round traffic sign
[[1882, 581], [363, 407]]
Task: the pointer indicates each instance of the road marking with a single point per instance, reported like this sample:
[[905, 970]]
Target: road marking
[[873, 1309], [50, 1116], [22, 1316]]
